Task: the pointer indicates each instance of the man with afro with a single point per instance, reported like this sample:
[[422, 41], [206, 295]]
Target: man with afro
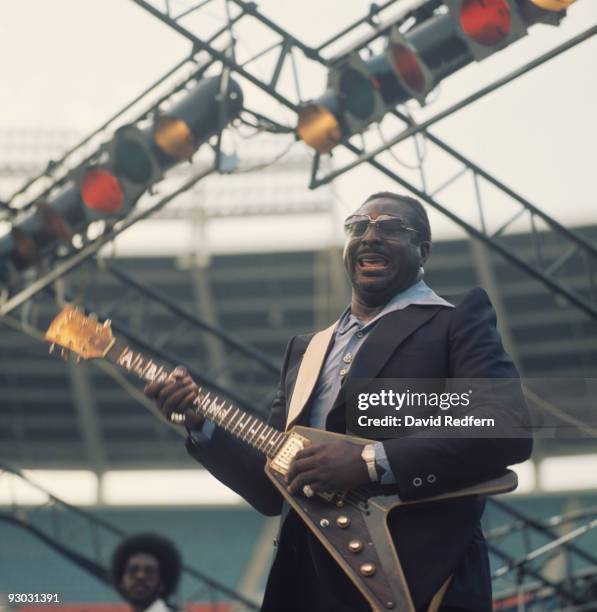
[[145, 570]]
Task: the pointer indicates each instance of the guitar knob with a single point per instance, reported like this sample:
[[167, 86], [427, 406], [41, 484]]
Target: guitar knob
[[343, 521], [367, 569], [355, 546]]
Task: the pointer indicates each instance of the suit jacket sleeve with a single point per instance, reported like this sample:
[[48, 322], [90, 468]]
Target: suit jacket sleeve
[[239, 466], [425, 467]]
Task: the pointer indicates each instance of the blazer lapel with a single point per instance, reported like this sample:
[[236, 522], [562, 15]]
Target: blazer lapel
[[390, 331]]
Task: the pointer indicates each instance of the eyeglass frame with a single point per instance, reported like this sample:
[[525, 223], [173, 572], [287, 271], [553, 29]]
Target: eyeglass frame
[[382, 217]]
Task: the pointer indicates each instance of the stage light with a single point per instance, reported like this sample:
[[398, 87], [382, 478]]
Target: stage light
[[132, 157], [553, 5], [179, 131], [101, 191], [127, 168], [119, 173], [487, 25], [357, 92], [174, 138], [318, 127], [43, 227], [414, 76]]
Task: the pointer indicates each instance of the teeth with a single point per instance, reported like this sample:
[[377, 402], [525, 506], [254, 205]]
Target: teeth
[[371, 259]]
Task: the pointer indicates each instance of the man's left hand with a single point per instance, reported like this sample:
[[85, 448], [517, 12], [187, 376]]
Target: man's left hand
[[334, 466]]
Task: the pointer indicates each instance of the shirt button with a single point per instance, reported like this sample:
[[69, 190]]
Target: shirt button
[[359, 334], [343, 372], [347, 358], [417, 482], [431, 478]]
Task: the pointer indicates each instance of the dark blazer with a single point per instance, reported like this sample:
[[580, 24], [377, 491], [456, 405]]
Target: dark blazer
[[433, 540]]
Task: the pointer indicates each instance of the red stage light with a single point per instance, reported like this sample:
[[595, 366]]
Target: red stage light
[[487, 22], [408, 67], [101, 191]]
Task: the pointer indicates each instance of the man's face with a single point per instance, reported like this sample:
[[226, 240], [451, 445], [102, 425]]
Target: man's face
[[379, 267], [141, 583]]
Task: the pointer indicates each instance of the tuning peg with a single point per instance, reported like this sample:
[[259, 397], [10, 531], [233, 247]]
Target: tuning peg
[[51, 349], [78, 359], [64, 354], [107, 323], [92, 316]]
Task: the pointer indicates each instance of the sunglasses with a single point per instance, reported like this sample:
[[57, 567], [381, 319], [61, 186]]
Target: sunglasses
[[388, 226]]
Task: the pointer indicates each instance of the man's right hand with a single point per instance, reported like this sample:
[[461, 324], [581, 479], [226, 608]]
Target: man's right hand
[[176, 394]]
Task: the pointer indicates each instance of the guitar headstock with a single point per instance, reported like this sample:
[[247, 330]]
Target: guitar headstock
[[81, 334]]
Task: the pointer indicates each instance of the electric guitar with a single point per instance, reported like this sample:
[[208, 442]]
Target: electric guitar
[[351, 525]]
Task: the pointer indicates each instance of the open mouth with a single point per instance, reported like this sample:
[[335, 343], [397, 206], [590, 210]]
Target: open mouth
[[372, 262]]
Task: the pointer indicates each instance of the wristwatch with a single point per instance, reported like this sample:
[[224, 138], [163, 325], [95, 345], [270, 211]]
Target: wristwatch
[[368, 456]]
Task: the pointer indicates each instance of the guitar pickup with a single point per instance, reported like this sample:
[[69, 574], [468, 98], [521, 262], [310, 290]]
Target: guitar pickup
[[281, 462]]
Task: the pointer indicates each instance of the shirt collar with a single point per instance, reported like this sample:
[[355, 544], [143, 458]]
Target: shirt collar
[[419, 294]]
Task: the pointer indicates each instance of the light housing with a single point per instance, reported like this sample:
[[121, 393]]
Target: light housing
[[102, 192], [414, 76], [180, 130], [318, 126], [487, 25], [359, 99]]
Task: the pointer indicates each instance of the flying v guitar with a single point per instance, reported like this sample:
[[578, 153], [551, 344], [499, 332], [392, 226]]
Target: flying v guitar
[[351, 525]]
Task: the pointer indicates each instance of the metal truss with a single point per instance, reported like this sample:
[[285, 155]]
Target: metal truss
[[565, 249], [575, 580], [88, 541]]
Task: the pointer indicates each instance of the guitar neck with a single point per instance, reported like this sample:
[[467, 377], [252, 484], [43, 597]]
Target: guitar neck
[[224, 413]]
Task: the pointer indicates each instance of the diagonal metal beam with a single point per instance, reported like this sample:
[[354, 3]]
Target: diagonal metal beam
[[506, 253], [365, 156], [91, 249]]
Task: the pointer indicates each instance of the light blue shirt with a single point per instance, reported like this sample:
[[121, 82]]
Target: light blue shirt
[[348, 339]]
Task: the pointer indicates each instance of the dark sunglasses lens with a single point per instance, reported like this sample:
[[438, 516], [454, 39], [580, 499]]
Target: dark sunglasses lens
[[356, 228], [391, 227]]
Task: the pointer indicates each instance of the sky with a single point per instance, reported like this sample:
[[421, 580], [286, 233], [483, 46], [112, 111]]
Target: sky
[[70, 64]]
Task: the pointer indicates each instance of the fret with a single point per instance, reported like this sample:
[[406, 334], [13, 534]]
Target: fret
[[236, 418], [247, 434], [204, 402], [213, 410], [231, 406], [253, 433], [229, 421], [243, 425], [240, 425], [264, 438]]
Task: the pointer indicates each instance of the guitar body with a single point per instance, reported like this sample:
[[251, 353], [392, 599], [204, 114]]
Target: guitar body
[[353, 529], [353, 525]]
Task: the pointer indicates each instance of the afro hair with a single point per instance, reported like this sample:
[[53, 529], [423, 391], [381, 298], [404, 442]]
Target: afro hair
[[150, 544]]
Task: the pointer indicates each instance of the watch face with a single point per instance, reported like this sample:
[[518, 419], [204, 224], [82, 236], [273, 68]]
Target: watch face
[[368, 453]]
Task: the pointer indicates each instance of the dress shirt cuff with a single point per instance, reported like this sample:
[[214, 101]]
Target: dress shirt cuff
[[382, 461], [203, 435]]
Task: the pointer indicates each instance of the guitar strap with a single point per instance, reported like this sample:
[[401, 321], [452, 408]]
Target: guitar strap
[[437, 598], [309, 373]]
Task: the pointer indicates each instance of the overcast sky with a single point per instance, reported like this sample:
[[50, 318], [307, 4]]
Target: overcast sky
[[72, 63]]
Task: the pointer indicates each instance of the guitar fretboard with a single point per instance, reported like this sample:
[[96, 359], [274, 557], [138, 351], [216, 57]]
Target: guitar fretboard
[[224, 413]]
